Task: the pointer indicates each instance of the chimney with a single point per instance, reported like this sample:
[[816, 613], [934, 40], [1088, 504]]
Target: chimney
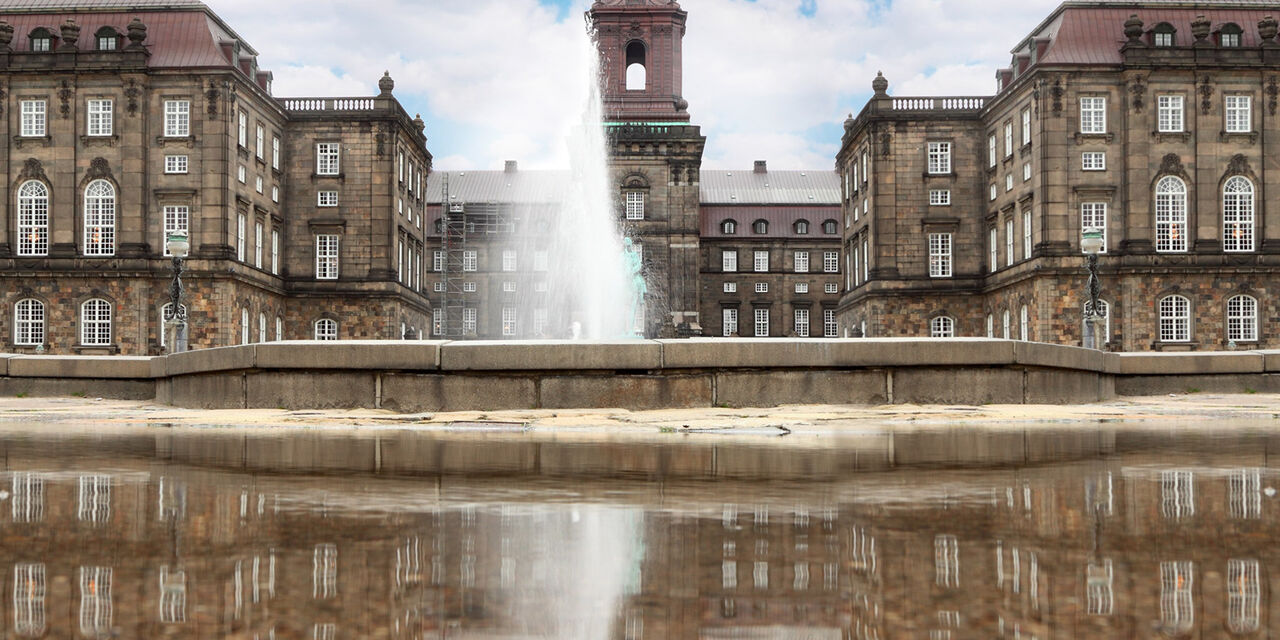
[[762, 166], [512, 165]]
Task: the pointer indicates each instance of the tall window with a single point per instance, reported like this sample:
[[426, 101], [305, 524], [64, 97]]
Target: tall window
[[177, 118], [324, 571], [260, 146], [173, 595], [762, 322], [1024, 324], [802, 323], [939, 157], [33, 219], [1177, 612], [940, 255], [95, 322], [1237, 214], [1026, 126], [469, 260], [1008, 242], [728, 321], [1026, 235], [508, 260], [326, 256], [275, 252], [1242, 318], [1093, 217], [1170, 114], [1098, 586], [28, 326], [508, 321], [830, 328], [1175, 319], [33, 118], [1243, 595], [1005, 325], [802, 261], [275, 152], [993, 248], [176, 220], [1093, 114], [761, 262], [942, 327], [244, 129], [1171, 214], [992, 143], [28, 599], [830, 261], [240, 236], [327, 158], [244, 326], [946, 561], [99, 219], [99, 123], [326, 329], [262, 327], [95, 601], [729, 260], [991, 326], [635, 205], [1239, 116], [1008, 139]]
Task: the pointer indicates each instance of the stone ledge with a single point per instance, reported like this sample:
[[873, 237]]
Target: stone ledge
[[96, 367], [1270, 361], [1040, 354], [4, 364], [206, 361], [717, 353], [386, 355], [1132, 364], [555, 355]]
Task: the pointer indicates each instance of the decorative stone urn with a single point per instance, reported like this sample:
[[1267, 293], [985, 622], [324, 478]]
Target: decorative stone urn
[[386, 85], [1133, 29], [137, 33], [70, 34]]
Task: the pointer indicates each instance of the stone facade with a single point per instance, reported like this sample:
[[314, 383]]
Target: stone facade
[[213, 152], [1026, 171]]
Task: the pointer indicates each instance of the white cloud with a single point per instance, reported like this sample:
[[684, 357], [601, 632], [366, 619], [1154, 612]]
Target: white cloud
[[760, 76]]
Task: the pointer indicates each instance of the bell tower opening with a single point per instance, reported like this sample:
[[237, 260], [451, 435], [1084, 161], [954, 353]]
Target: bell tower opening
[[635, 66]]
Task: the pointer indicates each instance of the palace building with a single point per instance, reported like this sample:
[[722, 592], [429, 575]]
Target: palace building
[[1149, 122]]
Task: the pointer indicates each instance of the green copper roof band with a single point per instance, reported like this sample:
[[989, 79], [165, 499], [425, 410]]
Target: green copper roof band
[[647, 124]]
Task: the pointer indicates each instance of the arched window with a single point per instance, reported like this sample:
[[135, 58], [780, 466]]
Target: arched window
[[1171, 214], [942, 327], [1162, 35], [164, 328], [99, 219], [729, 227], [1229, 35], [1104, 312], [28, 323], [801, 227], [760, 226], [244, 326], [991, 326], [95, 322], [636, 73], [279, 328], [107, 39], [830, 227], [41, 40], [1175, 319], [262, 327], [1006, 325], [1237, 214], [33, 219], [1024, 324], [326, 329], [1242, 319]]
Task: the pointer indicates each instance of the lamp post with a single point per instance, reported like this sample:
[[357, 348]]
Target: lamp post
[[175, 317], [1091, 243]]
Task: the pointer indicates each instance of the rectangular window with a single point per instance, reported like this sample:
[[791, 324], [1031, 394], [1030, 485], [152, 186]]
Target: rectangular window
[[508, 286], [327, 159], [177, 118], [939, 197], [508, 260], [275, 252], [1026, 235], [635, 205], [275, 193], [33, 118], [761, 263], [730, 287], [993, 242], [327, 199], [857, 279], [728, 322], [802, 261], [829, 327], [176, 219], [100, 118], [830, 261], [866, 259], [240, 237], [260, 147], [1239, 116], [939, 157], [243, 138], [1008, 182], [1177, 606], [1093, 114], [327, 257], [508, 321], [1026, 172], [1093, 161], [1177, 494], [940, 255], [802, 287], [830, 287], [437, 261], [762, 323], [469, 261], [762, 287], [802, 323], [175, 164], [1008, 242], [1093, 217], [1170, 114], [991, 150], [28, 599], [729, 260], [1008, 139], [946, 561], [275, 152], [257, 184], [242, 174], [257, 245], [95, 601], [993, 191], [1026, 126], [469, 321]]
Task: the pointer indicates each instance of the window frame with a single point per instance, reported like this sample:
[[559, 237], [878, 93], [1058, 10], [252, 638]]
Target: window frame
[[1171, 113], [760, 316], [176, 217], [1171, 215], [177, 118], [95, 324], [29, 330], [939, 197], [177, 164], [760, 261], [938, 157], [1085, 165], [1096, 123], [1174, 318], [1093, 215], [328, 158], [103, 118], [1242, 318], [100, 216], [800, 322], [33, 220], [328, 248], [940, 260], [800, 260], [1239, 215], [942, 327], [34, 122], [1238, 118], [326, 334]]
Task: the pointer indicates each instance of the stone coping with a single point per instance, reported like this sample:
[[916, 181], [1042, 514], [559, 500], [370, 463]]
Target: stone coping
[[637, 356]]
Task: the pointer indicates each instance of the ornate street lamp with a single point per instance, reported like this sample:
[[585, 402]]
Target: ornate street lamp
[[175, 316], [1092, 243]]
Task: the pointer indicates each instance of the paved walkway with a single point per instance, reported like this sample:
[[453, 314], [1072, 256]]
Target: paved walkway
[[1197, 407]]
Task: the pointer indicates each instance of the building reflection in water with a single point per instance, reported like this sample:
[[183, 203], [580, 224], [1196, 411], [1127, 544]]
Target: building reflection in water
[[937, 534]]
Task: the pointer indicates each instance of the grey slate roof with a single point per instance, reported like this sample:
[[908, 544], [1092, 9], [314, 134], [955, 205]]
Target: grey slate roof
[[515, 187]]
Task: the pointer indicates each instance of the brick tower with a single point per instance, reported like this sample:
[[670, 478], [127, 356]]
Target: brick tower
[[654, 153]]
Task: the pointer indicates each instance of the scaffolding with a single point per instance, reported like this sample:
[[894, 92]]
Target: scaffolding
[[454, 300]]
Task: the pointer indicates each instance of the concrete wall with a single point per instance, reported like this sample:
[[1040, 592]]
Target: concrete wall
[[416, 376]]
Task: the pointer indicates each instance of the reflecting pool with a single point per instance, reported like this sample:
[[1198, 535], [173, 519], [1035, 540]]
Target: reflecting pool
[[488, 533]]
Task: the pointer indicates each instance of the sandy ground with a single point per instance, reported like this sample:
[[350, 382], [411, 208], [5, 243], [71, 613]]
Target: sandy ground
[[1173, 408]]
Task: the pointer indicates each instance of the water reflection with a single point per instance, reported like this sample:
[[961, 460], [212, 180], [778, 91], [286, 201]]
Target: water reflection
[[939, 534]]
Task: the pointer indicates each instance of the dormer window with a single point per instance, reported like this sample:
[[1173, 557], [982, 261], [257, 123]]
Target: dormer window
[[830, 227], [41, 40], [108, 39], [1229, 35], [1162, 35], [729, 227], [802, 227], [760, 227]]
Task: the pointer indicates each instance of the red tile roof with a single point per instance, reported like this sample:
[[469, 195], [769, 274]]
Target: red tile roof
[[175, 38], [1094, 35]]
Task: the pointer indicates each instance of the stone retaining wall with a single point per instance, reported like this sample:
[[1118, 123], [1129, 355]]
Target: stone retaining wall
[[414, 376]]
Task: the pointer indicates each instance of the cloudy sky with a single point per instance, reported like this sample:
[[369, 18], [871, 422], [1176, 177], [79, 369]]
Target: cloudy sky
[[502, 79]]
